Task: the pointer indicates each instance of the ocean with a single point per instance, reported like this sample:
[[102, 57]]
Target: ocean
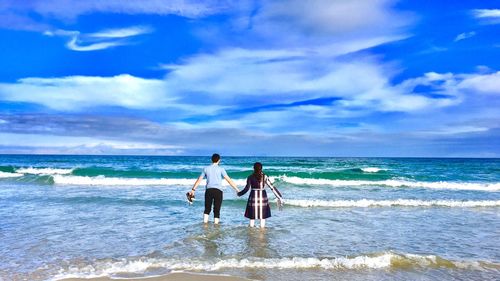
[[343, 219]]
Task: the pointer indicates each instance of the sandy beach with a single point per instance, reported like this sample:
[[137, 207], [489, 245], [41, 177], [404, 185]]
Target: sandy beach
[[169, 277]]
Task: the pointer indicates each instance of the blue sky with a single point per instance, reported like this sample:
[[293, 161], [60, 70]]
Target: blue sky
[[291, 78]]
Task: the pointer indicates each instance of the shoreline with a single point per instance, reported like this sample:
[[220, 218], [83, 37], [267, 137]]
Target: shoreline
[[176, 276]]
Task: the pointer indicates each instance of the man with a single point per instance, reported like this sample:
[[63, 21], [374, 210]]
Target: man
[[213, 192]]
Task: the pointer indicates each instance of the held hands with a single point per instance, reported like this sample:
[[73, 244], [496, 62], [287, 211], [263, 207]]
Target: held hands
[[236, 189]]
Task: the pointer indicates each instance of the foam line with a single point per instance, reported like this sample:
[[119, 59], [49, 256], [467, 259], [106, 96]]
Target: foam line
[[10, 175], [372, 170], [379, 261], [112, 181], [364, 203], [394, 183], [44, 171]]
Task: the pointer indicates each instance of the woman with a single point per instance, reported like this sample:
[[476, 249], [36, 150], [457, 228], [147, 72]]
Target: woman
[[258, 204]]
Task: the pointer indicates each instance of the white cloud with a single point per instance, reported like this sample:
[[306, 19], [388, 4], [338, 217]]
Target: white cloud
[[464, 35], [48, 144], [10, 139], [100, 40], [330, 17], [268, 77], [69, 9], [453, 130], [236, 77], [73, 45], [77, 92], [295, 23], [489, 16], [484, 84], [487, 13], [458, 84], [121, 32]]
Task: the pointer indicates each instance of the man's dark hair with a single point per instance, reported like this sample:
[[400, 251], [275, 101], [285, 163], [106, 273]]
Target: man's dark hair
[[215, 158]]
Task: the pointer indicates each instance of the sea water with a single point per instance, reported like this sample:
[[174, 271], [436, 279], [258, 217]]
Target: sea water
[[344, 218]]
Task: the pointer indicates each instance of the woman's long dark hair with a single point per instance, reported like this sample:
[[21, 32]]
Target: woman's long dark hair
[[257, 171]]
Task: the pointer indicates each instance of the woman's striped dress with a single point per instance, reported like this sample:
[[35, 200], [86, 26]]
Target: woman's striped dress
[[258, 203]]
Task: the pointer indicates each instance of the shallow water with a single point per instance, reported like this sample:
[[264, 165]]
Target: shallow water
[[346, 218]]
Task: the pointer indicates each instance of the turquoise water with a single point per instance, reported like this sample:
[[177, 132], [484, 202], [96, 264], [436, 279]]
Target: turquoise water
[[344, 218]]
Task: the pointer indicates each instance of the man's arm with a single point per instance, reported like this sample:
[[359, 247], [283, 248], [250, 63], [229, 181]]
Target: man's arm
[[231, 183], [200, 178]]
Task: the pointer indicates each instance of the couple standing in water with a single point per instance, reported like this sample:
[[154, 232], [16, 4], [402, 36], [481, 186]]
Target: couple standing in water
[[258, 203]]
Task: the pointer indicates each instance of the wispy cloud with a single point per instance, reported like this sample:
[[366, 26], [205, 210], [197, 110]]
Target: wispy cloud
[[76, 134], [488, 84], [324, 17], [121, 32], [79, 92], [292, 76], [100, 40], [487, 13], [464, 35], [238, 78], [70, 9], [50, 144], [296, 24], [38, 15], [489, 16]]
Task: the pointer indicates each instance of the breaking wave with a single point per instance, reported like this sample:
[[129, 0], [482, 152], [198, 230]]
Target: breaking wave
[[364, 203], [44, 171], [9, 175], [65, 177], [111, 181], [394, 183], [378, 261], [372, 170]]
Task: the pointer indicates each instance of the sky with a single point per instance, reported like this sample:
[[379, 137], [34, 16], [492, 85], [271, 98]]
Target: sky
[[361, 78]]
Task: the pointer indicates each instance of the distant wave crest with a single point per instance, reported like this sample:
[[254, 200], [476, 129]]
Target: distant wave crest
[[372, 170], [62, 177], [44, 171], [364, 203], [9, 175], [394, 183], [111, 181]]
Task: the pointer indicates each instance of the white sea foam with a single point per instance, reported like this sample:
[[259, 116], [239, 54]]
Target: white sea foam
[[101, 180], [140, 266], [112, 181], [372, 170], [10, 175], [44, 171], [364, 203], [383, 260], [395, 183]]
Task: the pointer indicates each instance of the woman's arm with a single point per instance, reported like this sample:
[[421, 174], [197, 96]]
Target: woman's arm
[[276, 192]]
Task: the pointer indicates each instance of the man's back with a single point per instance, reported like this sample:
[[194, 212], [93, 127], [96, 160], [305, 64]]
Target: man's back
[[214, 175]]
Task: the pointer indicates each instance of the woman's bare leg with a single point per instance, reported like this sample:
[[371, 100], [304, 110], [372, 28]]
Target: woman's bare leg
[[252, 223], [262, 223]]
